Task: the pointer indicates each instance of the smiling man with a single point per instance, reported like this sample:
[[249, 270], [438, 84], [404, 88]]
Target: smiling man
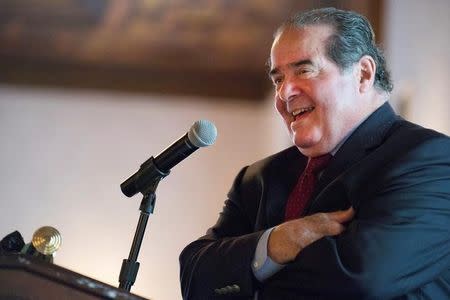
[[358, 208], [319, 102]]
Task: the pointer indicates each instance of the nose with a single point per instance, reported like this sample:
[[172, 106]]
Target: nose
[[288, 90]]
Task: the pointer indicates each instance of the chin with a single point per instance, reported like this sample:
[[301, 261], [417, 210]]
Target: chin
[[310, 149], [307, 151], [305, 143]]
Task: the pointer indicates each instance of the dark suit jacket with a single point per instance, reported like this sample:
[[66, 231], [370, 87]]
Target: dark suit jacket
[[397, 177]]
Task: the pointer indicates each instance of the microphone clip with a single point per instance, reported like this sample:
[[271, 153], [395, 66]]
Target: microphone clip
[[145, 180]]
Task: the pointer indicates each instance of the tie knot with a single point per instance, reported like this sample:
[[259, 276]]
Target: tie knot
[[317, 164]]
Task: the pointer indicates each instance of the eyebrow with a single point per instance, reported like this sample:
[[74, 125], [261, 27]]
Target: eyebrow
[[295, 64]]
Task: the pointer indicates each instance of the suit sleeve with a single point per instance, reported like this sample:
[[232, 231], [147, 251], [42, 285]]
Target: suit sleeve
[[221, 259], [399, 240]]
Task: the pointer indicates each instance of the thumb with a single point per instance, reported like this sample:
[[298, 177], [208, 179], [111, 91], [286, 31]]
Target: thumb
[[343, 216]]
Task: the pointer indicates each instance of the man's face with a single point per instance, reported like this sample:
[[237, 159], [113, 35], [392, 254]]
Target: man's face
[[318, 101]]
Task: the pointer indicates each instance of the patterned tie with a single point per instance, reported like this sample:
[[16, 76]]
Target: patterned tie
[[299, 197]]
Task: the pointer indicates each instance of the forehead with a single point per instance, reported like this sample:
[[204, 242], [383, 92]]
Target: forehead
[[293, 44]]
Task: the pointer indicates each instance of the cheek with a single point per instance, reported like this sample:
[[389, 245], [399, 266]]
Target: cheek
[[280, 106], [335, 110]]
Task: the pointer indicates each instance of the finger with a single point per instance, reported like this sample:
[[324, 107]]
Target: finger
[[334, 229], [342, 216]]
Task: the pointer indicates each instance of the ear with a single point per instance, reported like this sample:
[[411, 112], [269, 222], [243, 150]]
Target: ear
[[367, 69]]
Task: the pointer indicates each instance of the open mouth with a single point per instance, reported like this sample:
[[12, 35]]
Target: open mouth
[[301, 112]]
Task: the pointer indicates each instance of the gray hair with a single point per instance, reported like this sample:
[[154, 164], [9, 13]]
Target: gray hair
[[353, 38]]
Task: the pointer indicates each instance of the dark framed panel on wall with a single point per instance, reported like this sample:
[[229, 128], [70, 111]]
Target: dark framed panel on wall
[[187, 47]]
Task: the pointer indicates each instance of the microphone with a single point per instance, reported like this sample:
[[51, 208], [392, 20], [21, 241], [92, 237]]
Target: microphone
[[201, 134]]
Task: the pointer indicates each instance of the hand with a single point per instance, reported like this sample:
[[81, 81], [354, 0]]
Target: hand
[[289, 238]]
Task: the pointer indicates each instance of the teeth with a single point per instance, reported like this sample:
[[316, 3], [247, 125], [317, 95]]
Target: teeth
[[301, 110]]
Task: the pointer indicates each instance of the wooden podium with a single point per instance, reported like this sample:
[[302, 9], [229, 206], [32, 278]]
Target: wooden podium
[[27, 278]]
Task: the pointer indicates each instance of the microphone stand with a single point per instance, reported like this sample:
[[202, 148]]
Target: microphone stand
[[130, 266]]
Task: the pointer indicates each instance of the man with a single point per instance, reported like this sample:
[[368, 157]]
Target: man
[[375, 223]]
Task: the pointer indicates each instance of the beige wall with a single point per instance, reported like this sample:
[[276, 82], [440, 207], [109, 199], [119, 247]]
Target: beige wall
[[65, 153], [417, 49]]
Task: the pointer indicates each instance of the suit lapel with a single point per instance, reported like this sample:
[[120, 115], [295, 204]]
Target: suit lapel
[[363, 140]]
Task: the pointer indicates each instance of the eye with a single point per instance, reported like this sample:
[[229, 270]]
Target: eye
[[304, 70], [277, 80]]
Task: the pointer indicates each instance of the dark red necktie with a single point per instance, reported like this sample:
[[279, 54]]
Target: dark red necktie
[[300, 195]]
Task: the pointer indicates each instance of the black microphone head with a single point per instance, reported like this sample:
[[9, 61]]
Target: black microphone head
[[202, 133]]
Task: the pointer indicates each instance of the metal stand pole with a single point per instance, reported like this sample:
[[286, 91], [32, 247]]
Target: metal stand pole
[[130, 266]]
